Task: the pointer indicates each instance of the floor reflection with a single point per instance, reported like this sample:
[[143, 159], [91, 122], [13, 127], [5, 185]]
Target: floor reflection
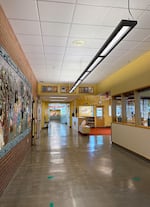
[[85, 170], [59, 135]]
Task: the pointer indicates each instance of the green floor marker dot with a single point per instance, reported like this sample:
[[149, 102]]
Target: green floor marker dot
[[51, 204], [136, 179], [50, 177]]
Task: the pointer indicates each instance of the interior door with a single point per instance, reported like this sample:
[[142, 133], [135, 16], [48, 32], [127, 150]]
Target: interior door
[[100, 116]]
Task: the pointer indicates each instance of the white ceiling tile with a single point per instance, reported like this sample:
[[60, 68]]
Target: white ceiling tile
[[55, 63], [47, 77], [68, 78], [54, 50], [53, 70], [117, 52], [126, 45], [54, 41], [53, 11], [33, 49], [147, 39], [37, 61], [81, 51], [77, 58], [133, 55], [20, 9], [144, 4], [57, 29], [38, 67], [143, 46], [143, 21], [53, 57], [30, 39], [67, 1], [117, 3], [31, 54], [138, 34], [35, 56], [25, 27], [117, 14], [72, 66], [110, 3], [93, 15], [85, 31]]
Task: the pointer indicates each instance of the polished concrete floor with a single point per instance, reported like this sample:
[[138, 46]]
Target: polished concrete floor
[[66, 169]]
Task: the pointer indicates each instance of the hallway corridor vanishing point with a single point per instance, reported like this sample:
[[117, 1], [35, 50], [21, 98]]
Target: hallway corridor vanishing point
[[66, 169]]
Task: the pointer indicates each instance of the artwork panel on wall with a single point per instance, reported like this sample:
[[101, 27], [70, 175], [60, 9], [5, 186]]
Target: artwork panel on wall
[[49, 89], [86, 90], [15, 100], [64, 89]]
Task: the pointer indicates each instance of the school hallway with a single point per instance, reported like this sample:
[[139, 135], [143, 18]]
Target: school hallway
[[67, 169]]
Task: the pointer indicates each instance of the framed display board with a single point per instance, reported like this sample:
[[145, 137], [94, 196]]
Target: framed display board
[[49, 89], [64, 89], [86, 90]]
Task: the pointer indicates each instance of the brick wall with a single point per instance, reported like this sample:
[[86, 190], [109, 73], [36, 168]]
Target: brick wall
[[10, 162]]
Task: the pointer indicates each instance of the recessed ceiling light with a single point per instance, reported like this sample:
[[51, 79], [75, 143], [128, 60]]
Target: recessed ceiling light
[[78, 43]]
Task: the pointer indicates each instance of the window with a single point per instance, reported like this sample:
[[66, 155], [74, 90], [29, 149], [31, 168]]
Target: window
[[145, 107], [118, 108]]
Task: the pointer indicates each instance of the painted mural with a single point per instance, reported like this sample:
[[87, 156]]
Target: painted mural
[[15, 100]]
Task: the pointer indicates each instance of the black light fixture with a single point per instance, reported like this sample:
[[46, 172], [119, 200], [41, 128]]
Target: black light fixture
[[123, 28]]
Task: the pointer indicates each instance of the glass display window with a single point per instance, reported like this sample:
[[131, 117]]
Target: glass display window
[[145, 107], [132, 107], [118, 108]]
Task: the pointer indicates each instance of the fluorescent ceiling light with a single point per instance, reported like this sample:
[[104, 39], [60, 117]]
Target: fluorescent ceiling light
[[78, 82], [84, 75], [116, 39], [122, 29], [63, 97], [71, 91], [73, 88], [57, 100], [96, 62]]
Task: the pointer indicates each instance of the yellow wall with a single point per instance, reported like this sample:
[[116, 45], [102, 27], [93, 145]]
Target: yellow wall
[[39, 89], [87, 100], [108, 119], [94, 101], [44, 113], [133, 76]]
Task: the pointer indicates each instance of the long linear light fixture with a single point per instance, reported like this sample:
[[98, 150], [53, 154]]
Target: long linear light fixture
[[122, 29]]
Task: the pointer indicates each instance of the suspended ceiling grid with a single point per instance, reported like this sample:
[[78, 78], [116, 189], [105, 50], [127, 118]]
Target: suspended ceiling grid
[[48, 30]]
